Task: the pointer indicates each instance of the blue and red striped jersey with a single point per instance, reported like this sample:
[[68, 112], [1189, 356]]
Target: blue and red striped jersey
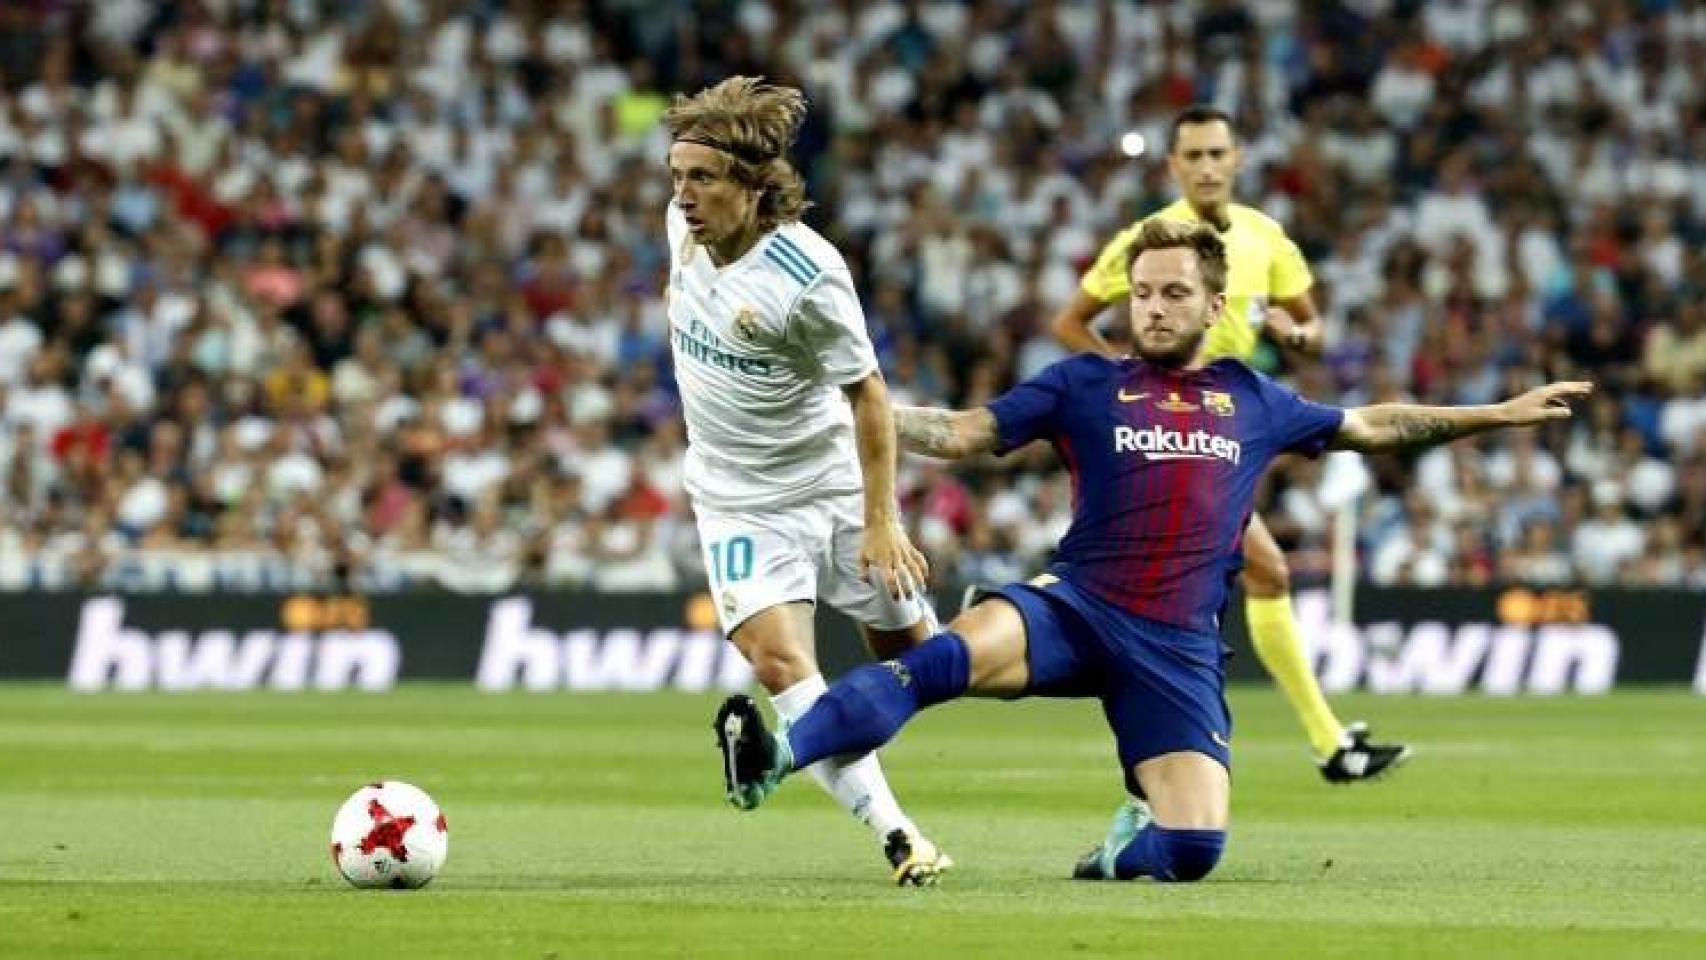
[[1164, 466]]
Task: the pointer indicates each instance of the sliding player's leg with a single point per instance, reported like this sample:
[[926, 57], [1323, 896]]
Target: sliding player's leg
[[1188, 798], [1163, 701], [982, 652], [1019, 641]]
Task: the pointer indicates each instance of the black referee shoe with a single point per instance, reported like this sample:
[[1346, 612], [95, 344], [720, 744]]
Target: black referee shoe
[[1359, 759]]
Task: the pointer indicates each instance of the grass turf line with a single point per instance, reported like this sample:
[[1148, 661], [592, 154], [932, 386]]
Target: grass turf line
[[593, 826]]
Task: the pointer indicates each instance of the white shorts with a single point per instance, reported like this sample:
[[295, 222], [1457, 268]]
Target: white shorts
[[810, 552]]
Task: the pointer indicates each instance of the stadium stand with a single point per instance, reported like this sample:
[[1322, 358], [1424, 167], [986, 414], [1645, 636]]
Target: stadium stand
[[298, 293]]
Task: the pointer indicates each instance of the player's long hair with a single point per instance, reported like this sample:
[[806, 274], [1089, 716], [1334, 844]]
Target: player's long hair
[[754, 123], [1158, 233]]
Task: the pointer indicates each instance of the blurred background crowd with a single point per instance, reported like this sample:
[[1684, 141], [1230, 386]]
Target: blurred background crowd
[[303, 293]]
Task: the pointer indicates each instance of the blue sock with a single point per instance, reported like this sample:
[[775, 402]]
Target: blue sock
[[1170, 855], [863, 709]]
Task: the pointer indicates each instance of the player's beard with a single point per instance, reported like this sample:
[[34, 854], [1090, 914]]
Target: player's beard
[[1176, 356]]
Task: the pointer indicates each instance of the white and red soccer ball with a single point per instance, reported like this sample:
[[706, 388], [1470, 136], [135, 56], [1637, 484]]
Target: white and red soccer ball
[[389, 835]]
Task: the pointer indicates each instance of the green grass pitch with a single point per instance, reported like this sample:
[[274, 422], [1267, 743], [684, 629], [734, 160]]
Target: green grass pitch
[[593, 826]]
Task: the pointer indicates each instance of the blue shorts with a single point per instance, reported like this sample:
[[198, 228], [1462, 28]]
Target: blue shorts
[[1161, 686]]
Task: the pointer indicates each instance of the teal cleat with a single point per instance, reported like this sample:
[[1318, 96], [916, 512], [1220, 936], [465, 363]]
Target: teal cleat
[[1098, 864], [754, 761]]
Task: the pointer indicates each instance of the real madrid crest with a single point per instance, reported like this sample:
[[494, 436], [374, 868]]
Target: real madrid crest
[[746, 324]]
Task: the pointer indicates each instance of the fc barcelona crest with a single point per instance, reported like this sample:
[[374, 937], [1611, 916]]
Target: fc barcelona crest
[[1218, 403], [746, 324]]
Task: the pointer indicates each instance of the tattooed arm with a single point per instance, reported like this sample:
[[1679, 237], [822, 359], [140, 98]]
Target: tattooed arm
[[948, 434], [1404, 426]]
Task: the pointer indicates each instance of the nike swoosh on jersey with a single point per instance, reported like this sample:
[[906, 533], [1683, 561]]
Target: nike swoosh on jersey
[[1126, 397]]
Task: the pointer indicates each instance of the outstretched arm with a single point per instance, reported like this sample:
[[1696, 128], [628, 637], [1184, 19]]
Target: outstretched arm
[[948, 434], [1405, 426]]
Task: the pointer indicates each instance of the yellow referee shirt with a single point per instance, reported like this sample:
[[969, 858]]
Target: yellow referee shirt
[[1264, 265]]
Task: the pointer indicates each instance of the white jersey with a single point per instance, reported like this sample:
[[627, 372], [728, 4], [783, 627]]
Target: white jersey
[[762, 348]]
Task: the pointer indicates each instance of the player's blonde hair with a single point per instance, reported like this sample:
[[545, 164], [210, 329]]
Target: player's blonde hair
[[754, 123], [1160, 233]]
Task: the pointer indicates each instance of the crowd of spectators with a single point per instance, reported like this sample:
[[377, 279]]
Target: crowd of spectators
[[302, 293]]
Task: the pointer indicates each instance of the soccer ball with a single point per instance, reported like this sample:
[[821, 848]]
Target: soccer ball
[[389, 835]]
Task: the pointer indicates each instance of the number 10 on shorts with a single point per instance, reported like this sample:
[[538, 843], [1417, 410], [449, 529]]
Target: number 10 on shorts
[[731, 560]]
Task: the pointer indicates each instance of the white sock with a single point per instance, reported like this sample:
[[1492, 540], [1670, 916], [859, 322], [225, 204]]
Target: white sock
[[858, 783]]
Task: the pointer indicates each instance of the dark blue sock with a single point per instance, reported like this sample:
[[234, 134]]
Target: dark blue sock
[[863, 709], [1170, 855]]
